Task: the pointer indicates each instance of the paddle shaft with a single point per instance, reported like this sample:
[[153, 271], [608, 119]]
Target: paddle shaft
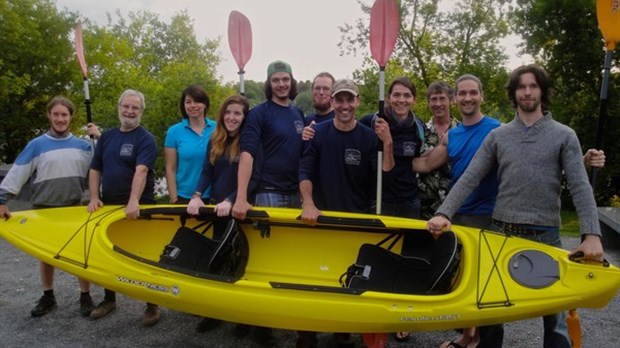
[[89, 115], [602, 113], [380, 153], [241, 82]]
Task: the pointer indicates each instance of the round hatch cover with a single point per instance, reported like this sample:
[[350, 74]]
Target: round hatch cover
[[534, 269]]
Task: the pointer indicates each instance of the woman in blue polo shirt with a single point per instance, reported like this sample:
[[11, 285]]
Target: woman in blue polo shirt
[[186, 145]]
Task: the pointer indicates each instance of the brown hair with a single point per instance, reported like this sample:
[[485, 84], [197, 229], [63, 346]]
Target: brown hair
[[324, 74], [542, 78], [60, 100], [405, 82], [198, 94], [220, 140], [465, 78], [439, 87]]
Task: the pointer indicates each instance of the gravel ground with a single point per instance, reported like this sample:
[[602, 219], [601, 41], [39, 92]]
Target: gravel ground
[[64, 327]]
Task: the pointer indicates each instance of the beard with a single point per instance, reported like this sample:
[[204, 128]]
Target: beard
[[322, 108], [129, 123], [529, 106]]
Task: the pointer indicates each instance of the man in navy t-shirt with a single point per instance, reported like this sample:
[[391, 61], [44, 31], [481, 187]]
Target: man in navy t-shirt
[[338, 169], [123, 166], [322, 86], [271, 143]]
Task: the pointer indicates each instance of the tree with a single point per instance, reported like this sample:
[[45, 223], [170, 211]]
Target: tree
[[563, 36], [436, 44], [157, 58], [304, 97], [35, 65]]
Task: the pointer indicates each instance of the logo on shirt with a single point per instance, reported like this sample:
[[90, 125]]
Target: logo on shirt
[[299, 126], [352, 157], [126, 150], [409, 148]]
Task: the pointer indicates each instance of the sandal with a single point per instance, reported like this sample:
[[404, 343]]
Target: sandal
[[452, 344], [402, 336]]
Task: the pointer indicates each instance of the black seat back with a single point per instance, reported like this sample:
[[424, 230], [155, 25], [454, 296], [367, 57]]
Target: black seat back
[[226, 254], [426, 265]]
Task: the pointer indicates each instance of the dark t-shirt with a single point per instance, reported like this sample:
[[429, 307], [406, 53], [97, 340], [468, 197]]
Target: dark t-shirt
[[320, 118], [276, 130], [342, 168], [116, 156], [400, 183]]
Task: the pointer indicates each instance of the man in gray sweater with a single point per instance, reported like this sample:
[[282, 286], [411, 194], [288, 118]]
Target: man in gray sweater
[[531, 154]]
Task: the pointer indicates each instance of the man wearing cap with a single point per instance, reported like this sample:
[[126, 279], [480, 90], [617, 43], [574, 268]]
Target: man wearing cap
[[345, 153], [271, 139], [271, 147], [338, 168]]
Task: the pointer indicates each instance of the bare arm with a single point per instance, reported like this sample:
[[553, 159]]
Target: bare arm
[[241, 206], [137, 188], [94, 181], [432, 159], [309, 211], [171, 160]]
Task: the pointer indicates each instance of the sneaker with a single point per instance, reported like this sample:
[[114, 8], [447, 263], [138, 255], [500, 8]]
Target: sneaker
[[264, 336], [151, 315], [45, 305], [105, 307], [86, 305], [344, 340], [241, 330], [306, 339], [207, 324]]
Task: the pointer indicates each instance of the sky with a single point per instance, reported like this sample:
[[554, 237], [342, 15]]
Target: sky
[[304, 33]]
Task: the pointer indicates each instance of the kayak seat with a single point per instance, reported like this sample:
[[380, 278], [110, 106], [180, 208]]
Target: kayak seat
[[224, 254], [425, 265]]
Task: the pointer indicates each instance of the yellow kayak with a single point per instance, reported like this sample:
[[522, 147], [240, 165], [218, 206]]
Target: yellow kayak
[[349, 273]]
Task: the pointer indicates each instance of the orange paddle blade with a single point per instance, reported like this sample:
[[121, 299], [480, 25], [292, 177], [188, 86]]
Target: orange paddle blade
[[608, 15], [79, 48], [384, 27], [240, 38]]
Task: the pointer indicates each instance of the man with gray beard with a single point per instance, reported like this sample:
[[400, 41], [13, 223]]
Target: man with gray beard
[[123, 167]]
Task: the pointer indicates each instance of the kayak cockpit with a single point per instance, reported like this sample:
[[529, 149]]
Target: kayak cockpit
[[292, 255]]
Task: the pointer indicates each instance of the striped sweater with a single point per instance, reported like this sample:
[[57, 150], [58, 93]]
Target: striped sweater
[[56, 167]]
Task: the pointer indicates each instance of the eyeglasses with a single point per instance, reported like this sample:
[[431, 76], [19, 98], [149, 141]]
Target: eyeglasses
[[130, 107], [321, 89]]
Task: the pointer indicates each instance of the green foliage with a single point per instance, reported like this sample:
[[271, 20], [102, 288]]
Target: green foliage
[[157, 58], [35, 65], [254, 91], [570, 223], [304, 97], [563, 35], [434, 45], [137, 51], [614, 201]]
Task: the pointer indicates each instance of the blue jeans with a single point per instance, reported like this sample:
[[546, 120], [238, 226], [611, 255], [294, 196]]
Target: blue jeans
[[276, 199], [555, 329]]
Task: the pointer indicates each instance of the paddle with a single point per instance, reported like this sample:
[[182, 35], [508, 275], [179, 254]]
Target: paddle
[[79, 51], [608, 15], [240, 42], [384, 27]]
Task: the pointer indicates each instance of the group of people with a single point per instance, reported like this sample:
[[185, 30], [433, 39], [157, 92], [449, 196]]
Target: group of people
[[474, 172]]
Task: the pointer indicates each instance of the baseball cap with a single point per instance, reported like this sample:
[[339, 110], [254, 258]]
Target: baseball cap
[[345, 85], [278, 66]]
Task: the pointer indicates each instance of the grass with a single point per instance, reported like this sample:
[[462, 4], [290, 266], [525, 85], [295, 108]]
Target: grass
[[570, 223]]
